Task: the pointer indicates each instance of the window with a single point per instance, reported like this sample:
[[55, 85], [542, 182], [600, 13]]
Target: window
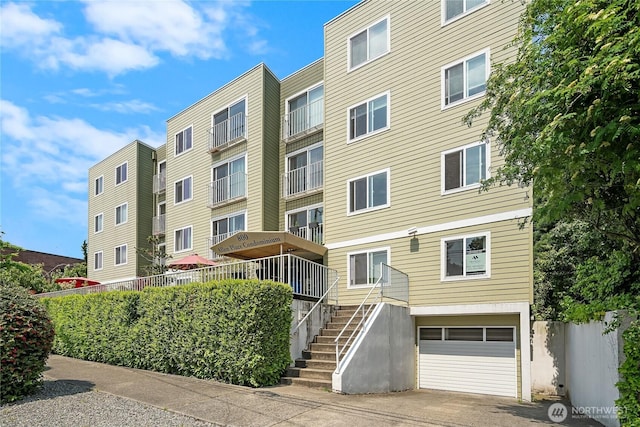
[[306, 223], [369, 117], [431, 334], [183, 190], [464, 167], [465, 79], [184, 140], [369, 44], [99, 187], [226, 227], [228, 125], [121, 255], [228, 181], [305, 111], [121, 214], [97, 223], [97, 260], [364, 267], [369, 192], [499, 334], [458, 8], [304, 171], [121, 173], [183, 239], [465, 333], [466, 257]]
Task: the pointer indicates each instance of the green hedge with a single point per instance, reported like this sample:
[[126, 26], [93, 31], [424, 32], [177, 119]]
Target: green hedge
[[234, 331]]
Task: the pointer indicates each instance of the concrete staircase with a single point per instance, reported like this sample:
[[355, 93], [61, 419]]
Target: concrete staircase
[[316, 366]]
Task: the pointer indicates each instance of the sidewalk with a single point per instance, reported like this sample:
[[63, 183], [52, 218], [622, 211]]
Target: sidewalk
[[290, 405]]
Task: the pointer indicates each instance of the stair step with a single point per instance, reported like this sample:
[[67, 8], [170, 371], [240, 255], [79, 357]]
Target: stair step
[[307, 382], [319, 347], [334, 332], [320, 355], [312, 373], [322, 339], [316, 364]]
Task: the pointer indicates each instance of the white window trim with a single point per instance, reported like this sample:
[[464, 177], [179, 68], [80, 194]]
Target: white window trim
[[101, 177], [377, 131], [165, 162], [487, 64], [158, 208], [115, 211], [174, 239], [126, 250], [304, 208], [444, 192], [116, 174], [174, 190], [369, 60], [307, 90], [102, 223], [443, 257], [231, 160], [227, 216], [443, 20], [101, 260], [246, 112], [300, 151], [375, 208], [174, 142], [484, 332], [387, 249]]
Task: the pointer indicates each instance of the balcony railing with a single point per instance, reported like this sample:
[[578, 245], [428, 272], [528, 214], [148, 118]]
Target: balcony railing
[[228, 189], [159, 224], [303, 180], [306, 278], [159, 183], [312, 232], [227, 132], [211, 241], [303, 121]]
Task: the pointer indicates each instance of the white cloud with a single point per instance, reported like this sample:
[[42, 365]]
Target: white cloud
[[53, 153], [127, 107], [130, 36]]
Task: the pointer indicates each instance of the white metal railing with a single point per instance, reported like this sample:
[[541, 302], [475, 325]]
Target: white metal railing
[[392, 284], [312, 232], [159, 224], [228, 188], [159, 182], [303, 180], [306, 278], [211, 241], [303, 120], [227, 132]]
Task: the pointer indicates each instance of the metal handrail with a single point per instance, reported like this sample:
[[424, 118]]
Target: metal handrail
[[316, 305]]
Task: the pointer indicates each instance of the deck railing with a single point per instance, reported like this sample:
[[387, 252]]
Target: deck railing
[[159, 224], [303, 180], [303, 120], [227, 132], [306, 278], [159, 182], [226, 189], [311, 232]]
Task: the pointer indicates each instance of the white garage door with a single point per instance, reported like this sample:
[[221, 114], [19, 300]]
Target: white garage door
[[468, 359]]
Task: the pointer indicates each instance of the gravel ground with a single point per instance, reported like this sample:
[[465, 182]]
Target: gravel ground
[[60, 403]]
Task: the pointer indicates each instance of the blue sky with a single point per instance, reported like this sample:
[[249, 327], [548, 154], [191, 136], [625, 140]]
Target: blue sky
[[79, 80]]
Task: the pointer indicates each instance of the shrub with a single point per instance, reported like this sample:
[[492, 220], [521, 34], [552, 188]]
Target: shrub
[[26, 336], [234, 331]]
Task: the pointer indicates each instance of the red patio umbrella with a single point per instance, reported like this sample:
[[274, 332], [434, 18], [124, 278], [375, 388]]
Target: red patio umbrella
[[190, 262], [77, 281]]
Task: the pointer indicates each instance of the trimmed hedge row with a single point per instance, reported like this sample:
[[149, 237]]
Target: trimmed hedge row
[[236, 331]]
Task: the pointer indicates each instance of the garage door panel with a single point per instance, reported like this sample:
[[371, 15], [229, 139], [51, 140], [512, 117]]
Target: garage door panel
[[468, 366]]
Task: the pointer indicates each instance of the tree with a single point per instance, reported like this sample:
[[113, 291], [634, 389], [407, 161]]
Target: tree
[[155, 256], [566, 114]]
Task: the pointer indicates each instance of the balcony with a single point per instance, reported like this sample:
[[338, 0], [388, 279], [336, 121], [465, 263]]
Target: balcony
[[211, 241], [302, 181], [303, 121], [227, 133], [159, 183], [312, 232], [159, 225], [228, 189]]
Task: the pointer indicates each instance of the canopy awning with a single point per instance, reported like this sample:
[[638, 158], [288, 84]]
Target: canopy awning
[[261, 244]]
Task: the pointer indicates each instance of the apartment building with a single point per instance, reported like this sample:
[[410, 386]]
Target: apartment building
[[363, 153]]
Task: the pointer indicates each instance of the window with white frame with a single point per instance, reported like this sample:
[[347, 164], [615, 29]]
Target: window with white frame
[[369, 117], [182, 239], [228, 180], [121, 255], [183, 190], [465, 79], [305, 111], [121, 173], [365, 266], [306, 223], [229, 123], [97, 260], [453, 9], [369, 44], [99, 185], [184, 140], [98, 223], [464, 167], [465, 256], [222, 228], [121, 214], [369, 192], [304, 170]]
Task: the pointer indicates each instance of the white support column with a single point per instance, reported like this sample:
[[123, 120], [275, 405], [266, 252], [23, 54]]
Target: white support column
[[525, 353]]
